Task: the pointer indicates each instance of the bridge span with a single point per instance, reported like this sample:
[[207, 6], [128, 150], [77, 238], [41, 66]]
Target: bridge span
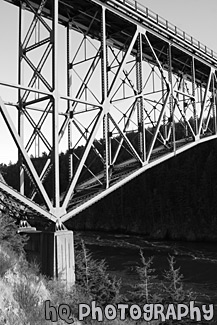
[[112, 79]]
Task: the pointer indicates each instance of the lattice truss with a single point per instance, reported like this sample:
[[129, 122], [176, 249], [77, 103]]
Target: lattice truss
[[116, 100]]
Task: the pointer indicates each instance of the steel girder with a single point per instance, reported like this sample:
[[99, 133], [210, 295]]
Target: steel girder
[[129, 95]]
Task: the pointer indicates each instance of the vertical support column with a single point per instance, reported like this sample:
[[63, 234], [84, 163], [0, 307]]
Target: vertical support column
[[201, 95], [21, 81], [37, 145], [104, 97], [64, 266], [55, 126], [37, 85], [107, 145], [184, 106], [70, 149], [164, 116], [171, 102], [193, 100], [64, 262], [56, 254], [140, 115], [214, 104], [69, 93]]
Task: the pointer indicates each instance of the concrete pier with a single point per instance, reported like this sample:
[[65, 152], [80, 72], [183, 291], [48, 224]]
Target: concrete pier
[[64, 260], [54, 252]]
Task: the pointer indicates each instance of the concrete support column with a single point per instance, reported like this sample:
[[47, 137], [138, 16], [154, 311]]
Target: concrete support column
[[53, 251], [64, 259]]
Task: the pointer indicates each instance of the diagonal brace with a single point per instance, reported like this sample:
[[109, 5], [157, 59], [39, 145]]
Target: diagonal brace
[[28, 161], [106, 106], [204, 101]]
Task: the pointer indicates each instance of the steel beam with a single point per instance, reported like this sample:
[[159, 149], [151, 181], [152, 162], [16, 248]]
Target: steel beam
[[104, 65], [193, 101], [20, 103], [27, 202], [55, 121], [69, 93], [140, 103], [204, 101], [25, 156]]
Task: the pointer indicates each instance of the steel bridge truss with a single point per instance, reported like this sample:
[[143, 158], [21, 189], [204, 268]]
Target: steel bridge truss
[[124, 94]]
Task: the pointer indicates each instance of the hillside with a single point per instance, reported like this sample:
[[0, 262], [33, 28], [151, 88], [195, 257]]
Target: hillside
[[174, 200]]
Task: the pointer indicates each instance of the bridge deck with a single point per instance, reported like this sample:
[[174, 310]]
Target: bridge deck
[[91, 190], [83, 18]]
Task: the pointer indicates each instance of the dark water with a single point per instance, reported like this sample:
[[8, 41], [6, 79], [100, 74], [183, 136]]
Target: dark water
[[197, 261]]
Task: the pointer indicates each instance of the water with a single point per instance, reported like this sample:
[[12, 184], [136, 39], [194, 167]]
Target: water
[[197, 261]]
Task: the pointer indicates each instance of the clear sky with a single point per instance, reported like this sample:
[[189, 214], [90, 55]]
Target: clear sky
[[196, 17]]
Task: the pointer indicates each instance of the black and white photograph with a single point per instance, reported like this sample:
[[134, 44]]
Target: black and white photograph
[[108, 162]]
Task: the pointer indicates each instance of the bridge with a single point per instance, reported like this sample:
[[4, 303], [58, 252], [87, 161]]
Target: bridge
[[112, 79]]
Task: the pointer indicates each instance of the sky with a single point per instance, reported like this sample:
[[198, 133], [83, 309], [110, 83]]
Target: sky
[[195, 17]]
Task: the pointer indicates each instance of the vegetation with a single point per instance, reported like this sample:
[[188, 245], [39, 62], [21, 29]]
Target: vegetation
[[146, 291], [93, 279], [24, 289], [173, 285], [8, 234]]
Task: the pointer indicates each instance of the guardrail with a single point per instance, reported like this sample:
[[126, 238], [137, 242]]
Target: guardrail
[[144, 11]]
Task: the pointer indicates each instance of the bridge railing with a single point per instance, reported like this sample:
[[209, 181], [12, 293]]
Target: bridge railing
[[135, 5]]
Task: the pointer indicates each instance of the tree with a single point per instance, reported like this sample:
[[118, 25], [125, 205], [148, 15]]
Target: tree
[[146, 291], [173, 287], [92, 276]]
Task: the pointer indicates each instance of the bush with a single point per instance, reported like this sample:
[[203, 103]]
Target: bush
[[10, 312], [7, 260], [9, 238], [30, 291]]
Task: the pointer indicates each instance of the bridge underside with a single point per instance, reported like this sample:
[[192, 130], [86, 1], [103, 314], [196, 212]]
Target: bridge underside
[[110, 83]]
